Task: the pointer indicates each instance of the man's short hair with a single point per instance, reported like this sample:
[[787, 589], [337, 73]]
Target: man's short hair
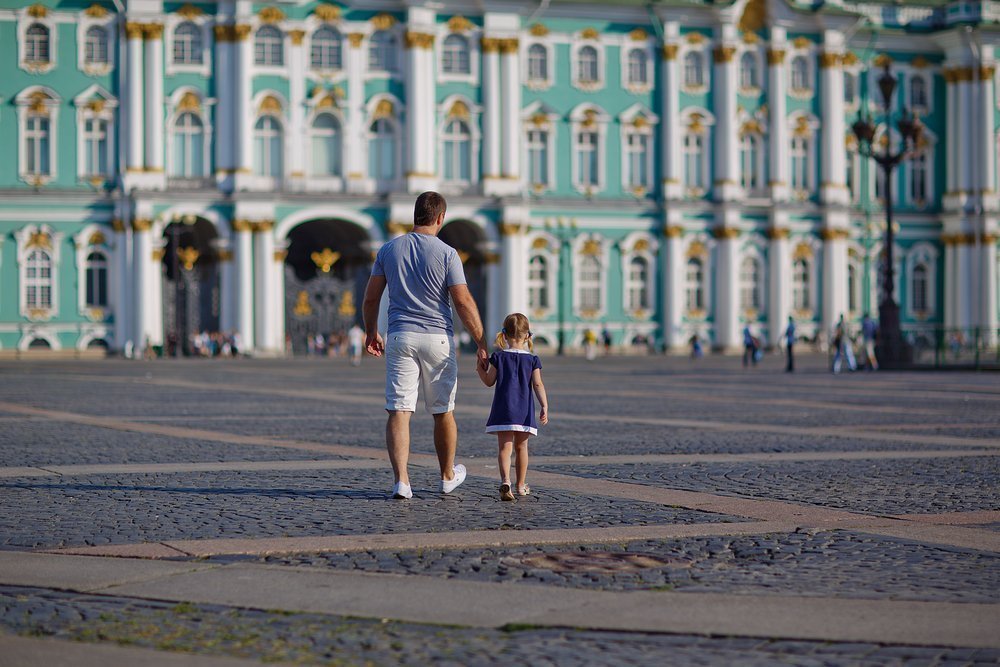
[[429, 206]]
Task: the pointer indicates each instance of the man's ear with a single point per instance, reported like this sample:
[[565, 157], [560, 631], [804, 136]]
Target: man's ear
[[440, 220]]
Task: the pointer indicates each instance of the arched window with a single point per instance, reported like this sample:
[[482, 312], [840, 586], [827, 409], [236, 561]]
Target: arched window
[[800, 285], [918, 93], [326, 49], [638, 284], [269, 47], [750, 284], [800, 73], [36, 145], [748, 71], [538, 63], [95, 46], [799, 152], [187, 44], [694, 161], [587, 65], [36, 44], [96, 277], [382, 150], [457, 143], [38, 280], [95, 147], [589, 283], [695, 285], [188, 159], [638, 67], [750, 162], [918, 179], [850, 88], [638, 158], [455, 55], [694, 75], [586, 158], [919, 289], [326, 142], [267, 154], [538, 283], [382, 52], [538, 157]]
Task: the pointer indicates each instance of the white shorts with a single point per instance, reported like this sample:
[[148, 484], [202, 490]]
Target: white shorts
[[421, 360]]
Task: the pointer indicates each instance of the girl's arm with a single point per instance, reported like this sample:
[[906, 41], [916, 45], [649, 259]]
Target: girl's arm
[[488, 376], [543, 401]]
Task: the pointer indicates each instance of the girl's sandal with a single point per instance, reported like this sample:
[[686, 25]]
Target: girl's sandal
[[524, 490], [505, 492]]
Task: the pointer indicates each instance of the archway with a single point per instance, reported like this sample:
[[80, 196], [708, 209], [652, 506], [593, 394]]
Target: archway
[[469, 240], [190, 269], [326, 269]]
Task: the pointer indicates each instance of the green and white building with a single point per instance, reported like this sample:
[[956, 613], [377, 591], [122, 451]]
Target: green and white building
[[657, 168]]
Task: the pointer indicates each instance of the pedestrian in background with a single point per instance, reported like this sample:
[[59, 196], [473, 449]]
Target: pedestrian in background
[[606, 336], [790, 345], [749, 347], [356, 337], [868, 332], [590, 344]]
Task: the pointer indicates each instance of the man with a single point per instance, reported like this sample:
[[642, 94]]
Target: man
[[790, 344], [749, 347], [424, 277], [355, 340], [868, 331]]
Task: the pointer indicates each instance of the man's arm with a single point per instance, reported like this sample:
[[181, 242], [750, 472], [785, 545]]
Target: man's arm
[[469, 314], [369, 311]]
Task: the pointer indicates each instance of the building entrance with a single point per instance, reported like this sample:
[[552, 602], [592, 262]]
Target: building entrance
[[190, 269]]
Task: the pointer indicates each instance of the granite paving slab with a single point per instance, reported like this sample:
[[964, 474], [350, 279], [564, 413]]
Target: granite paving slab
[[886, 486], [116, 509], [316, 638]]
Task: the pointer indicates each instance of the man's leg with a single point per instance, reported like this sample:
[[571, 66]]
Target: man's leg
[[445, 443], [397, 441]]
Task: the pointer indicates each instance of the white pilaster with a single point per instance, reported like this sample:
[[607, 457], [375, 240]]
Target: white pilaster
[[963, 294], [134, 97], [727, 319], [264, 302], [834, 271], [990, 321], [987, 137], [727, 177], [951, 134], [492, 170], [834, 154], [513, 269], [965, 134], [143, 264], [297, 156], [673, 287], [670, 94], [777, 126], [155, 136], [780, 270], [277, 296], [123, 280], [242, 114], [510, 108], [354, 153], [227, 286], [420, 100], [243, 251]]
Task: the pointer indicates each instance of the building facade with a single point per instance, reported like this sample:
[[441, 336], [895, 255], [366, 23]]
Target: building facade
[[658, 170]]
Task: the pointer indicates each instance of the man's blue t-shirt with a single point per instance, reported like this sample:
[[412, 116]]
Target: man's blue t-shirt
[[418, 270]]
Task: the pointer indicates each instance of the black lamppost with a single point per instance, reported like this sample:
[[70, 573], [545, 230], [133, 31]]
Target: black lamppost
[[564, 231], [891, 350]]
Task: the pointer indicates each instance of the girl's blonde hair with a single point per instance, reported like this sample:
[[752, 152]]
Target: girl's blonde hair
[[515, 326]]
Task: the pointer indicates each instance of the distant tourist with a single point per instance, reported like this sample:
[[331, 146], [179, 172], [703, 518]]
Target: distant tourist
[[515, 371], [868, 332], [355, 338], [696, 350], [842, 347], [790, 345], [750, 347], [606, 339], [590, 345]]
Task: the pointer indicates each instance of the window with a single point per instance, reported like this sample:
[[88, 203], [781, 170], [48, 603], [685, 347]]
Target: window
[[36, 139], [800, 285], [750, 284], [590, 283], [189, 147], [920, 302], [538, 63], [587, 65], [269, 47], [96, 278], [694, 75], [750, 162], [748, 71], [638, 67], [267, 154], [455, 55], [918, 93], [638, 158], [95, 147], [586, 158], [38, 281], [852, 287], [695, 285], [538, 157], [800, 73], [382, 52], [326, 49], [638, 284], [36, 44], [850, 89], [918, 179], [538, 283], [382, 151], [326, 138], [457, 143], [799, 151], [694, 161], [95, 46], [187, 44]]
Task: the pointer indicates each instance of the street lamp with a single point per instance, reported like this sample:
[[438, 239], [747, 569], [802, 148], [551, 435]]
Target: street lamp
[[564, 231], [892, 351]]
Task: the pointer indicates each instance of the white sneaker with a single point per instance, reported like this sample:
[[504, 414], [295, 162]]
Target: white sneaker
[[401, 491], [449, 485]]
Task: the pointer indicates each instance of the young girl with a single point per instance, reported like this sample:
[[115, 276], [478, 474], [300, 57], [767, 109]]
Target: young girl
[[515, 371]]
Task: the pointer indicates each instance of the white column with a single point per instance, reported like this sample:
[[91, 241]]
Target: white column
[[834, 153], [834, 276], [354, 153], [420, 100], [673, 288], [278, 298], [670, 93], [491, 114], [510, 108], [222, 128], [965, 132], [296, 137], [154, 293], [143, 264], [950, 284], [951, 131], [123, 280], [227, 287], [155, 136], [987, 137], [777, 125], [134, 98], [963, 291], [727, 177], [727, 318], [243, 251], [513, 269], [494, 284], [242, 114], [990, 321], [263, 286], [780, 266]]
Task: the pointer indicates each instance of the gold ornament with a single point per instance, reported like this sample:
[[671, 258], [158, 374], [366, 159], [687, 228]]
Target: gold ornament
[[325, 260], [459, 24], [327, 12], [383, 21], [95, 11], [538, 30], [347, 308], [189, 11], [188, 257], [754, 16], [271, 15], [302, 307]]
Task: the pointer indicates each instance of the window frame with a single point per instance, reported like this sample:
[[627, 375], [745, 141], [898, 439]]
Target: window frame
[[42, 102], [576, 47], [203, 67], [268, 65], [626, 52], [335, 47], [701, 85], [313, 134], [282, 147], [639, 246], [393, 70], [43, 238], [754, 86], [550, 55], [589, 118]]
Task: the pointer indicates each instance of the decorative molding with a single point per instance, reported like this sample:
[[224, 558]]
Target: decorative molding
[[801, 42], [271, 15], [269, 105], [142, 224], [240, 225], [696, 38], [849, 59], [775, 56], [383, 21], [589, 33], [724, 54], [489, 45], [832, 234], [510, 228], [459, 110], [152, 31], [189, 102], [38, 11], [133, 30], [778, 233], [384, 109], [96, 11], [726, 233], [754, 16], [327, 12], [419, 40], [673, 231], [508, 46], [882, 60], [828, 60], [669, 51], [117, 224], [538, 30], [189, 11], [920, 62], [638, 35], [297, 36], [355, 39], [459, 24]]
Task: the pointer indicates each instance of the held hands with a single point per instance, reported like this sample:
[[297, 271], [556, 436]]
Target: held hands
[[483, 358], [543, 416], [374, 344]]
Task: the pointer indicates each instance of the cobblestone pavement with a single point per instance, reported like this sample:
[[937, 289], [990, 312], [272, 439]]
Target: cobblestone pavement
[[193, 411], [314, 638]]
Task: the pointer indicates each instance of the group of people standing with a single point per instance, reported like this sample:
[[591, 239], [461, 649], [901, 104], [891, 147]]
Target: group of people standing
[[841, 343]]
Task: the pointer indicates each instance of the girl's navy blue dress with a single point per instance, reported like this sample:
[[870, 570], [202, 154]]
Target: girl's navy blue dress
[[513, 402]]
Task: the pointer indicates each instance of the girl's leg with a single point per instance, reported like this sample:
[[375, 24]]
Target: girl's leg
[[505, 443], [521, 445]]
